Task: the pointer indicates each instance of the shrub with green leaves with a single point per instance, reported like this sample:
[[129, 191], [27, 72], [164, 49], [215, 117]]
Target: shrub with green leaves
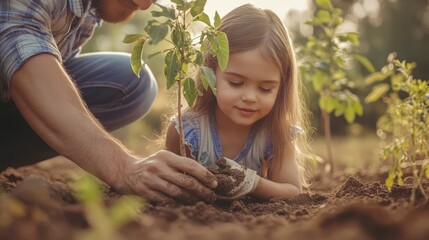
[[405, 122], [187, 51], [325, 62]]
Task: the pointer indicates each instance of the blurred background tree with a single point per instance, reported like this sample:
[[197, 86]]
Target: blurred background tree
[[384, 26]]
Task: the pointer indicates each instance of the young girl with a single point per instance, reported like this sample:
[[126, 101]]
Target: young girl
[[257, 117]]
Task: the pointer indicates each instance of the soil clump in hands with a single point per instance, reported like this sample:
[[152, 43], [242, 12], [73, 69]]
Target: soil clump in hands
[[228, 178]]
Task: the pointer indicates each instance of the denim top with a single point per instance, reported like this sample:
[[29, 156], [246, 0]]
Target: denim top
[[28, 28], [201, 136]]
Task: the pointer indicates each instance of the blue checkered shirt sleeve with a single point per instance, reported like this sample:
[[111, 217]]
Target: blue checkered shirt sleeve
[[29, 27]]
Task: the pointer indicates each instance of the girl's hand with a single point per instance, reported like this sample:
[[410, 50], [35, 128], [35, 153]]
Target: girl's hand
[[237, 180]]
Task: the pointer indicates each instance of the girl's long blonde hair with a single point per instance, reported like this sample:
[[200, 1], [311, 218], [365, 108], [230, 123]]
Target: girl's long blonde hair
[[248, 27]]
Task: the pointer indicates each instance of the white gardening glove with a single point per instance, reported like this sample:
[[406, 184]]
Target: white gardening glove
[[234, 180]]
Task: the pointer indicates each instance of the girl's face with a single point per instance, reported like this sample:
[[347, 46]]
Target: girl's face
[[247, 89]]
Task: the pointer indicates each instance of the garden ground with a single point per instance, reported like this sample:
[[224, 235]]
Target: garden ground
[[39, 204]]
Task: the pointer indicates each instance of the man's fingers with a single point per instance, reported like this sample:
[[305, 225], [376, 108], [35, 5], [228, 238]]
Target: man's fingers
[[188, 184], [196, 170], [188, 198], [161, 187], [196, 179], [175, 191], [159, 198], [153, 196]]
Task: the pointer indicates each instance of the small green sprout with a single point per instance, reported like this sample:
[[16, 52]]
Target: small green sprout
[[105, 222]]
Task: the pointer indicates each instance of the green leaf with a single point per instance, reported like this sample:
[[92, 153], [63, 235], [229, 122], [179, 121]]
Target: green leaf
[[213, 43], [182, 5], [338, 20], [184, 67], [340, 108], [217, 20], [166, 12], [176, 37], [326, 4], [357, 106], [136, 58], [178, 2], [319, 79], [353, 38], [124, 210], [203, 18], [397, 82], [323, 102], [365, 62], [199, 59], [204, 44], [314, 22], [323, 16], [390, 180], [223, 50], [198, 7], [377, 77], [327, 103], [338, 75], [157, 33], [131, 38], [208, 78], [350, 114], [171, 68], [88, 190], [332, 103], [189, 91], [377, 92]]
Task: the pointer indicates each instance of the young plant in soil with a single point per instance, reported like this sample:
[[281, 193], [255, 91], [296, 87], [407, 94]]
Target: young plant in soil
[[105, 222], [405, 122], [10, 209], [324, 65], [187, 51]]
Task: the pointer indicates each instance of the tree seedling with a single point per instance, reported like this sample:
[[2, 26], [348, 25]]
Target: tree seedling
[[187, 51], [405, 122]]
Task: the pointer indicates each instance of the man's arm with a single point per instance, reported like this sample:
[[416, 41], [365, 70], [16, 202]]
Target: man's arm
[[49, 101]]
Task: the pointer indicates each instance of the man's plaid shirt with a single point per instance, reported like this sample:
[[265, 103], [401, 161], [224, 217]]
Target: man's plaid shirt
[[30, 27]]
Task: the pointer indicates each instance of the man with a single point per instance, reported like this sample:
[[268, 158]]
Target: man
[[55, 101]]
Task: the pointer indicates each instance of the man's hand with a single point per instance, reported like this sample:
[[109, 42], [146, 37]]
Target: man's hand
[[240, 184], [164, 177]]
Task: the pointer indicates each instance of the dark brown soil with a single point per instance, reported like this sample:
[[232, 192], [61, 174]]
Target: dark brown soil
[[38, 204]]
